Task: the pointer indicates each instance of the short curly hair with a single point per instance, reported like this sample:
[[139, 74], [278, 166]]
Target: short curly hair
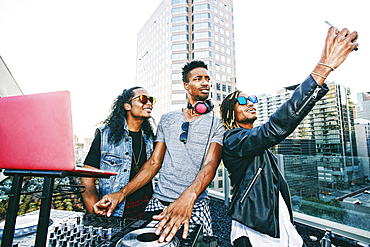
[[189, 67]]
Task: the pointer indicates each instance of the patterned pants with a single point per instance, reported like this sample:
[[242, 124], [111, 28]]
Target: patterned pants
[[201, 214]]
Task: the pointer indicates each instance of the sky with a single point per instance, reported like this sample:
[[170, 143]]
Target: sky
[[81, 46]]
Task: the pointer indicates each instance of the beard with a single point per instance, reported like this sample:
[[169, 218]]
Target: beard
[[201, 97]]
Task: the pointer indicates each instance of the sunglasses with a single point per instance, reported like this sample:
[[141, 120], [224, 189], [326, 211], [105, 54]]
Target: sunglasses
[[144, 99], [243, 100], [184, 135]]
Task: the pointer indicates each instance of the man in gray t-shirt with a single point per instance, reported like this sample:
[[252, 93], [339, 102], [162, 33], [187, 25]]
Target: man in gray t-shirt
[[188, 151], [182, 161]]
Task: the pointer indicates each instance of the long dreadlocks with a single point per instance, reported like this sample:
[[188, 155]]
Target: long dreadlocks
[[227, 111], [118, 114]]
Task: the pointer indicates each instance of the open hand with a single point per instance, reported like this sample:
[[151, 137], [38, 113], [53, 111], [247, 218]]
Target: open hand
[[176, 214]]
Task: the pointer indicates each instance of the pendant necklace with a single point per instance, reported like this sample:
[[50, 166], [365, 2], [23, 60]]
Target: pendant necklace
[[137, 168]]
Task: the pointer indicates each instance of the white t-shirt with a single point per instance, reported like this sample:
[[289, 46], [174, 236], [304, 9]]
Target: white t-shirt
[[288, 234]]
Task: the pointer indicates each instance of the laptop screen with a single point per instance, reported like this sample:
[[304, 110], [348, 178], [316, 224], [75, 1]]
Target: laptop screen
[[36, 132]]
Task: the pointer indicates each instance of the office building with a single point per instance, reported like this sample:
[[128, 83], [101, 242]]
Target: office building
[[362, 127], [363, 105], [331, 124], [180, 31]]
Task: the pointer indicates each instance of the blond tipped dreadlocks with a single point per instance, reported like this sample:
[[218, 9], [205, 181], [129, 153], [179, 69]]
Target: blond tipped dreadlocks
[[227, 111]]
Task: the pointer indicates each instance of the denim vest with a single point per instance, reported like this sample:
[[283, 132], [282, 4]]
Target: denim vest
[[117, 158]]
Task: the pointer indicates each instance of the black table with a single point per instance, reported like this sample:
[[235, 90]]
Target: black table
[[46, 198]]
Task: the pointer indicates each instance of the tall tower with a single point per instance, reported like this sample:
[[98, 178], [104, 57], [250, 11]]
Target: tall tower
[[363, 109], [180, 31]]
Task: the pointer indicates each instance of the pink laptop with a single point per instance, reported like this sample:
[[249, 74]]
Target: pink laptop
[[36, 133]]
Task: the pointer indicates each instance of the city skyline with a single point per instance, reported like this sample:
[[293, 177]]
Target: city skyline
[[82, 47]]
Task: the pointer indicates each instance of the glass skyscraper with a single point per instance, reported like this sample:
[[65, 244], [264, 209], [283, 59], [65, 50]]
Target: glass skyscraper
[[180, 31]]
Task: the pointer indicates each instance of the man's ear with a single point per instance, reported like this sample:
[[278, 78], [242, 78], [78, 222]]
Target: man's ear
[[186, 85], [127, 106]]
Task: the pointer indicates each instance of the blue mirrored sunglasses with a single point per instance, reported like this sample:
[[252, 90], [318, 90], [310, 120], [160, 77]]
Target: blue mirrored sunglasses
[[243, 100]]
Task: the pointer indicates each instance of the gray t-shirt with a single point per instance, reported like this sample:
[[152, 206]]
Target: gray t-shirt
[[182, 162]]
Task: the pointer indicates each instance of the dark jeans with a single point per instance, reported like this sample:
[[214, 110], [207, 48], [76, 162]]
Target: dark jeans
[[244, 242]]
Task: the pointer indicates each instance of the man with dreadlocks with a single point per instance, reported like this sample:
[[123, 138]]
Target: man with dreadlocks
[[122, 145], [261, 209]]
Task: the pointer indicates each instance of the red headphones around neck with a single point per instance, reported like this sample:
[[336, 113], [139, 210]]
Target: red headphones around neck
[[201, 107]]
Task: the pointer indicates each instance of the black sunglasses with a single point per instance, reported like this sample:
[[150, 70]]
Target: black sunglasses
[[184, 135], [144, 99], [243, 100]]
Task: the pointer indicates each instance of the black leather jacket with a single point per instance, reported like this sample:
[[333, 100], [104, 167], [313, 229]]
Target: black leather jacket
[[252, 167]]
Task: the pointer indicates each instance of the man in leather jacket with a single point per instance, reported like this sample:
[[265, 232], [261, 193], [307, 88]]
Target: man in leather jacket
[[261, 207]]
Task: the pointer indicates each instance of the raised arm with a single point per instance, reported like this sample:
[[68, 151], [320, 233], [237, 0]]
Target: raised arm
[[108, 203], [179, 212]]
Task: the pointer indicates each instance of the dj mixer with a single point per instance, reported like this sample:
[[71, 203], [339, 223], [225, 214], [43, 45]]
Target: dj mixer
[[76, 229]]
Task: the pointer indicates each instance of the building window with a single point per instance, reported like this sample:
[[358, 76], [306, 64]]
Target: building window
[[177, 47], [178, 96], [201, 35], [217, 56], [219, 173], [218, 86], [201, 16], [179, 10], [201, 25], [201, 54], [224, 88], [179, 19], [202, 44], [220, 185], [229, 89], [181, 56], [180, 28], [176, 77], [178, 86], [173, 2], [199, 7], [218, 97], [179, 37]]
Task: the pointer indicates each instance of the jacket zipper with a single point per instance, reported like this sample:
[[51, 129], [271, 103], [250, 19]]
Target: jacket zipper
[[250, 185], [313, 96]]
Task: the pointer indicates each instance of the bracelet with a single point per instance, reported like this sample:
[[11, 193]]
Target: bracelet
[[332, 68], [318, 75]]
